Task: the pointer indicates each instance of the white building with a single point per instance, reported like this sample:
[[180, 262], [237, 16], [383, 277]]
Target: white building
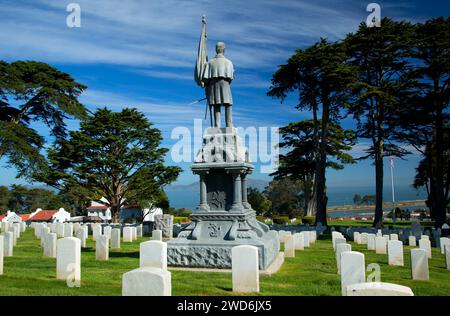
[[52, 216], [10, 217], [126, 212], [100, 210]]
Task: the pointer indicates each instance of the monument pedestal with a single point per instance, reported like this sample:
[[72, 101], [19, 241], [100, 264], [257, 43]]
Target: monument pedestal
[[223, 218]]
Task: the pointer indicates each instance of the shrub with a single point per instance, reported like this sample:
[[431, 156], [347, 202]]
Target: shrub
[[309, 220], [281, 220], [260, 218], [180, 219]]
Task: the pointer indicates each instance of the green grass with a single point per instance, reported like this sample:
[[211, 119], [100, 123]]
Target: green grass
[[311, 272]]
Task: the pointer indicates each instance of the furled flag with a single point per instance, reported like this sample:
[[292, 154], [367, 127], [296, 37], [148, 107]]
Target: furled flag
[[202, 56]]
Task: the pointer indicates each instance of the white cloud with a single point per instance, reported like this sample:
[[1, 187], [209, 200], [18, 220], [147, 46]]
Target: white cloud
[[165, 33]]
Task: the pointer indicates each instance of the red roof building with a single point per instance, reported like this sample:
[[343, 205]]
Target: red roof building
[[24, 217], [43, 216]]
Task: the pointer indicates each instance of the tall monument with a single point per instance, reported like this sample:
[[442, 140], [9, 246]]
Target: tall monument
[[223, 218]]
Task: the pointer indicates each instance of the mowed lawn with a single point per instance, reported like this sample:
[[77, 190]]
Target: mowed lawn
[[311, 272]]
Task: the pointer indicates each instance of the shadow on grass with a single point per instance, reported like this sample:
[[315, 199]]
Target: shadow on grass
[[226, 289], [134, 254]]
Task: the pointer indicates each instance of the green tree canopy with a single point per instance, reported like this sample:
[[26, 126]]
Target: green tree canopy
[[116, 155], [34, 92], [321, 76], [298, 162], [259, 201], [379, 55]]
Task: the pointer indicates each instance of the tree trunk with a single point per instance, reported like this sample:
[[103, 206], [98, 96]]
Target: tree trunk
[[115, 214], [379, 173], [439, 203], [312, 205], [321, 214]]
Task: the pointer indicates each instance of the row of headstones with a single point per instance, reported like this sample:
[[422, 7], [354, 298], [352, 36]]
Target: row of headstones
[[296, 241], [8, 239], [389, 244], [153, 279], [403, 234], [104, 238], [350, 265]]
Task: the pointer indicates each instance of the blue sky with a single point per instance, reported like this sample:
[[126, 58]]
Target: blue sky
[[142, 53]]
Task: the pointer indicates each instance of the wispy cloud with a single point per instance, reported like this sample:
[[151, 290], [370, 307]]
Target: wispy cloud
[[155, 33]]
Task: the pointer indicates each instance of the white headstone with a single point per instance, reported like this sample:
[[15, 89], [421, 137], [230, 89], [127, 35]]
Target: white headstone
[[115, 238], [299, 241], [245, 268], [96, 231], [17, 225], [44, 232], [426, 245], [335, 235], [356, 238], [107, 231], [157, 234], [353, 269], [153, 253], [81, 235], [147, 281], [5, 227], [37, 230], [371, 241], [86, 232], [306, 239], [380, 245], [425, 237], [412, 241], [134, 231], [340, 248], [419, 264], [378, 289], [289, 247], [13, 230], [443, 242], [102, 248], [68, 259], [139, 231], [394, 237], [50, 245], [8, 244], [127, 234], [312, 236], [60, 230], [339, 240], [395, 253], [53, 228], [364, 238], [68, 230]]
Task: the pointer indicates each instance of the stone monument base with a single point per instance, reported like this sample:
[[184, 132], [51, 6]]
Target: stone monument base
[[223, 219]]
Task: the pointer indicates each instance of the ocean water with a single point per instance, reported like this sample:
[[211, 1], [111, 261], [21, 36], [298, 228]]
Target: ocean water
[[188, 197]]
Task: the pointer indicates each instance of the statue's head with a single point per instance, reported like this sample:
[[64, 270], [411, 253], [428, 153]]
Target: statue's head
[[220, 48]]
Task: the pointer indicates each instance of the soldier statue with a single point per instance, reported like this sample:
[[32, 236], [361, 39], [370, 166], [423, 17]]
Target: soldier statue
[[215, 77]]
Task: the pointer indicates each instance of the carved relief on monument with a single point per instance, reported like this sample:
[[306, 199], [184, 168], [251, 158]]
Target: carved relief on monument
[[214, 230]]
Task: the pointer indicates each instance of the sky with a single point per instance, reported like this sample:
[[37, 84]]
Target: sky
[[142, 54]]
